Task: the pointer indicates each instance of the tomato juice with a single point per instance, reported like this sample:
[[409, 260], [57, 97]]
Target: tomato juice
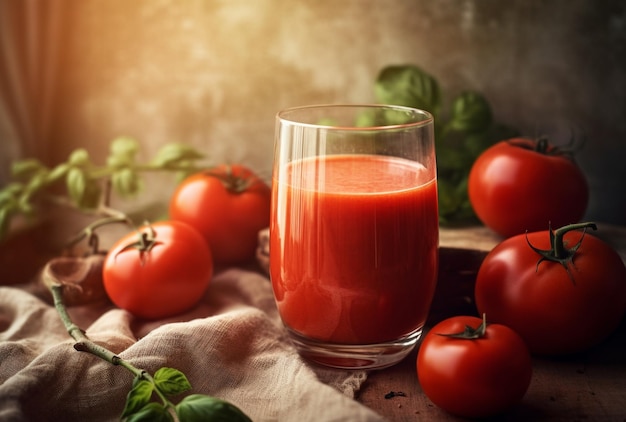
[[354, 247]]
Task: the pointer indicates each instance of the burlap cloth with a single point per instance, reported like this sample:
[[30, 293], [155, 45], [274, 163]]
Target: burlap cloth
[[231, 345]]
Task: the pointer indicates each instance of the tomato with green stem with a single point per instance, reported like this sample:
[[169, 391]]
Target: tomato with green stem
[[473, 369], [229, 205], [563, 291], [522, 185], [158, 271]]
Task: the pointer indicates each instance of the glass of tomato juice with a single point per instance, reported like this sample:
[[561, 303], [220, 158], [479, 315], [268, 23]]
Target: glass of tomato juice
[[354, 231]]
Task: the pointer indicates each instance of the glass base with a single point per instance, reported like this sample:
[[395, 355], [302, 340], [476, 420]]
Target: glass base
[[351, 356]]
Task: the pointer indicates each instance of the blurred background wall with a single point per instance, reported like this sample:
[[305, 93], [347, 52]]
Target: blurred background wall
[[213, 73]]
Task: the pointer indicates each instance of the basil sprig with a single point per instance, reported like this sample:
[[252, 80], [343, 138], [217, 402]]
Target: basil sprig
[[87, 184], [462, 132]]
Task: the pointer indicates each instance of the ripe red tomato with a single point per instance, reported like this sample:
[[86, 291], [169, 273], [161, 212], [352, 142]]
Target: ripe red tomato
[[559, 305], [159, 272], [473, 377], [523, 185], [229, 205]]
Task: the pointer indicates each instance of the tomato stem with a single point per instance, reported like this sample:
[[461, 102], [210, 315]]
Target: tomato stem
[[559, 252], [542, 145], [89, 232], [232, 182], [470, 333], [146, 241]]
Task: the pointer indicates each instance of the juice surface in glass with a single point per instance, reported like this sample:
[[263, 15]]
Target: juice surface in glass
[[353, 252]]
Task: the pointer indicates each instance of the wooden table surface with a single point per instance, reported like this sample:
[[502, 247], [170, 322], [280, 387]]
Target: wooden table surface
[[586, 387]]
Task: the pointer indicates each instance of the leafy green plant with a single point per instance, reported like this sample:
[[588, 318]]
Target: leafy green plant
[[87, 186], [462, 132], [165, 383]]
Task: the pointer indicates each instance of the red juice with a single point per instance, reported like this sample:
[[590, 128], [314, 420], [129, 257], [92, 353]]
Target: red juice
[[353, 247]]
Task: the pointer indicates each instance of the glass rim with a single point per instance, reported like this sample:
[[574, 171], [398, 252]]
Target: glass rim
[[428, 117]]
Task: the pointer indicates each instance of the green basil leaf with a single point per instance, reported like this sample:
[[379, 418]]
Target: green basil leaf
[[138, 397], [79, 158], [25, 169], [151, 412], [76, 183], [172, 155], [92, 195], [126, 182], [85, 192], [123, 151], [387, 117], [171, 381], [328, 121], [448, 199], [124, 146], [453, 159], [117, 161], [36, 183], [470, 113], [365, 119], [9, 206], [5, 220], [11, 191], [408, 85], [476, 143], [24, 205], [198, 407], [57, 173]]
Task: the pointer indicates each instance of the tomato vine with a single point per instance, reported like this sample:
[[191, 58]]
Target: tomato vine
[[88, 186]]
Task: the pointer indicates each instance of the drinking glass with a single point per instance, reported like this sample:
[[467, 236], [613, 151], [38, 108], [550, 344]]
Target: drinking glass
[[354, 231]]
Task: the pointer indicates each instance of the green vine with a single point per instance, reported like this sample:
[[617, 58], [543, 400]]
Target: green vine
[[88, 186], [165, 383]]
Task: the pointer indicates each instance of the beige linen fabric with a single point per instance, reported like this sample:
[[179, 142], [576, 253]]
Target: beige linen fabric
[[231, 346]]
